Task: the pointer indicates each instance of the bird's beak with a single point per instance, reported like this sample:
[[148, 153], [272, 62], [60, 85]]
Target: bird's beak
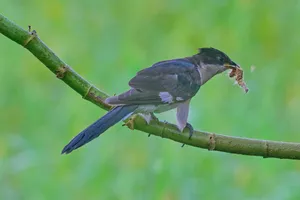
[[231, 65]]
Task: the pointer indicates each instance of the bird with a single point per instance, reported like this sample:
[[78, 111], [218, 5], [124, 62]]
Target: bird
[[161, 87]]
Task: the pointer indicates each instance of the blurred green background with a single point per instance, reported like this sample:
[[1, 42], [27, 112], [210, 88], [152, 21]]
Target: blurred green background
[[107, 42]]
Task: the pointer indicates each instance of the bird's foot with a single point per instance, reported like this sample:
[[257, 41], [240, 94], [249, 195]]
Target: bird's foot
[[148, 118], [191, 131], [153, 117], [130, 122]]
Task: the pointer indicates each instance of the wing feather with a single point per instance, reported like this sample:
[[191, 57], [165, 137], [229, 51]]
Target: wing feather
[[164, 82]]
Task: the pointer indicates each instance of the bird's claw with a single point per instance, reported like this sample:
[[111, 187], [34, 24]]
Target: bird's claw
[[154, 118], [191, 131]]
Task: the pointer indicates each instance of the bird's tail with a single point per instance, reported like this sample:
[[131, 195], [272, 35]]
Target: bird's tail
[[98, 127]]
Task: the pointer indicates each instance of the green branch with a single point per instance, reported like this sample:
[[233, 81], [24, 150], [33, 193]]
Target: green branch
[[210, 141]]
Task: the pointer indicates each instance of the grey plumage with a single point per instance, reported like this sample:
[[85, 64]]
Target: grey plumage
[[163, 86]]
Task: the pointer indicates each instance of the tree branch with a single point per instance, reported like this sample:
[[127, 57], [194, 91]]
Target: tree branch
[[210, 141]]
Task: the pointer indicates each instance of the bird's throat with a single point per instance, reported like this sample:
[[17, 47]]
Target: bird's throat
[[207, 72]]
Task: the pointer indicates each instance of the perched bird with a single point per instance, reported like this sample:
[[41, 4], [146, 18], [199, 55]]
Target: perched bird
[[163, 86]]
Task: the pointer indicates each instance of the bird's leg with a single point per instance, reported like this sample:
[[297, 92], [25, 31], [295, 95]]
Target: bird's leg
[[153, 117], [182, 116], [148, 118]]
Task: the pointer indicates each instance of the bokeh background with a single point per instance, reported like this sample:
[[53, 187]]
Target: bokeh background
[[107, 42]]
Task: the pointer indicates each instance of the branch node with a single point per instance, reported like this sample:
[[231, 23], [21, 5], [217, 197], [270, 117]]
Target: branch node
[[212, 142], [61, 72], [87, 92], [130, 122], [33, 35], [97, 99], [266, 149]]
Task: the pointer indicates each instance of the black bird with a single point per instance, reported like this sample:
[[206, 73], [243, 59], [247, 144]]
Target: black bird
[[163, 86]]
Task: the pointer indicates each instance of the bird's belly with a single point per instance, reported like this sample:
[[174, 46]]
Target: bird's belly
[[165, 107], [156, 108]]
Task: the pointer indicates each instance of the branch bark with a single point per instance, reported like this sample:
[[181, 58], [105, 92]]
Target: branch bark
[[210, 141]]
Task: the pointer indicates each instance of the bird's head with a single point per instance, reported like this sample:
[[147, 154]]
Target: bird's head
[[211, 62]]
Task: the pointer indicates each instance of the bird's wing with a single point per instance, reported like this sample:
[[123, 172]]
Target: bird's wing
[[165, 82]]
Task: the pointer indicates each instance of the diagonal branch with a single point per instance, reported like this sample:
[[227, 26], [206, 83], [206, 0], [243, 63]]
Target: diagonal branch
[[210, 141]]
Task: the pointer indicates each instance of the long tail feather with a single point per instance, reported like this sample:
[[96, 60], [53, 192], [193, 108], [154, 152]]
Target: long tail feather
[[98, 127]]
